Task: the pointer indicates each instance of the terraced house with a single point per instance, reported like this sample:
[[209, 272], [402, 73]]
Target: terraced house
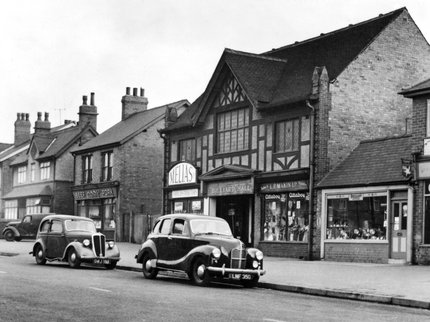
[[270, 126]]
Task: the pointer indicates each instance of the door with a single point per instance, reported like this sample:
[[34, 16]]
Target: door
[[26, 228], [399, 226], [56, 241]]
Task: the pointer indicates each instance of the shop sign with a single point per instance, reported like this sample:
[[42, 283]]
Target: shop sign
[[182, 173], [95, 194], [188, 193], [283, 186], [423, 170], [236, 187]]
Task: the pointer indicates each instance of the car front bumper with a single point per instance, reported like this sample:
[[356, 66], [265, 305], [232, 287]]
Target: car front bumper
[[225, 270]]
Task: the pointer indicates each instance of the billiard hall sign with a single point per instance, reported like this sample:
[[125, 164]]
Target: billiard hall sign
[[182, 173]]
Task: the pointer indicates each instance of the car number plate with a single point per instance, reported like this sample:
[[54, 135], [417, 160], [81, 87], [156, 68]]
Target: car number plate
[[240, 276], [101, 261]]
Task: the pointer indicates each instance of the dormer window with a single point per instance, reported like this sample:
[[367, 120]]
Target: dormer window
[[233, 131]]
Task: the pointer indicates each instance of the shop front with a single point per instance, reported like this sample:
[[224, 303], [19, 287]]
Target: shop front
[[367, 224], [99, 202], [183, 189], [285, 218]]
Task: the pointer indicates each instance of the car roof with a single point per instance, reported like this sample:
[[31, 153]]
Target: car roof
[[191, 216], [66, 217]]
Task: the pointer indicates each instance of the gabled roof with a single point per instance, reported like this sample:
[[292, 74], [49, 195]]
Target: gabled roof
[[128, 128], [4, 146], [422, 88], [13, 150], [284, 75], [372, 162]]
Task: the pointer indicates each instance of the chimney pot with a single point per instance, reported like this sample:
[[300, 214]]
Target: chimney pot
[[127, 91], [39, 116], [142, 92], [84, 100], [27, 116], [135, 91], [18, 115], [92, 99], [46, 116]]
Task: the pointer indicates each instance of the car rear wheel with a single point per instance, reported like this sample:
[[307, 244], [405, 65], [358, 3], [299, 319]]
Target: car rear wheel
[[149, 272], [112, 265], [73, 259], [39, 254], [199, 274], [9, 235], [250, 283]]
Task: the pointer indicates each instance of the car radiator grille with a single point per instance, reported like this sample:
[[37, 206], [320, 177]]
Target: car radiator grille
[[99, 244], [238, 258]]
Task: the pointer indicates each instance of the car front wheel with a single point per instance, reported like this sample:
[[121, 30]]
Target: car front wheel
[[39, 254], [199, 274], [149, 272], [73, 259], [9, 235]]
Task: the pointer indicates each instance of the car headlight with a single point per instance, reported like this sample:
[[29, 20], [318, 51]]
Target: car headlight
[[255, 264], [259, 255], [216, 253], [110, 244], [86, 242]]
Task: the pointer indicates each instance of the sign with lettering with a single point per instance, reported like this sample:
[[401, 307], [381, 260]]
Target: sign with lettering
[[182, 173], [187, 193], [95, 194], [235, 187], [283, 186], [423, 170]]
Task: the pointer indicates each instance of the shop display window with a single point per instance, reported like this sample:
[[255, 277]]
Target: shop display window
[[357, 217], [187, 206], [286, 217]]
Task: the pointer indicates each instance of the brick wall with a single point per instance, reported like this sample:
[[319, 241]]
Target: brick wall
[[63, 198], [365, 103], [293, 250], [353, 252]]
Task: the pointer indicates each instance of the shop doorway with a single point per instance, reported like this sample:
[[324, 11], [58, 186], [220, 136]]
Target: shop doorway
[[399, 226], [236, 211]]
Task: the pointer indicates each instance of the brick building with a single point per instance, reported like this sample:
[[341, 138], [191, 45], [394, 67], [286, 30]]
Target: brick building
[[118, 174], [420, 157], [37, 171], [270, 126]]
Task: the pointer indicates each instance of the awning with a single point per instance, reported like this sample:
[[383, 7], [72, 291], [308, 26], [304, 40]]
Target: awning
[[29, 191]]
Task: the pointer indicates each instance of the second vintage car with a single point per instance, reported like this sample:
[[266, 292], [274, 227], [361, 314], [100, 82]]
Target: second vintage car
[[74, 240], [201, 246], [26, 228]]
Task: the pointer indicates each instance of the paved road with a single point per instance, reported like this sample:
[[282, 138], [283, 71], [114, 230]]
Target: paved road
[[55, 292]]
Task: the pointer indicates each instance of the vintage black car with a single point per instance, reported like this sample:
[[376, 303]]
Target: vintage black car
[[25, 228], [201, 246], [74, 240]]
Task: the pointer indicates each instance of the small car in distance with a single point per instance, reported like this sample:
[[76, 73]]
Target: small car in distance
[[201, 246], [75, 240], [25, 228]]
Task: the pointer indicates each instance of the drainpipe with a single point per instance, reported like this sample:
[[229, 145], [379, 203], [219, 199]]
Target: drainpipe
[[165, 153], [311, 179]]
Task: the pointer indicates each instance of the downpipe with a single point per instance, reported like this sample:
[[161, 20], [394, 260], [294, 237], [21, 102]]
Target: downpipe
[[311, 180]]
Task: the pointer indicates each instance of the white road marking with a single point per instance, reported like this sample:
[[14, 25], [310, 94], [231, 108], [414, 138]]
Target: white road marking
[[272, 320], [100, 289], [1, 272]]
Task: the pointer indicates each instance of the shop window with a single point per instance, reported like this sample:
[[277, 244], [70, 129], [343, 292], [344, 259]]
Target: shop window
[[357, 217], [187, 206], [287, 136], [107, 166], [109, 213], [87, 169], [11, 209], [45, 170], [233, 131], [286, 217], [187, 150], [426, 232], [22, 174]]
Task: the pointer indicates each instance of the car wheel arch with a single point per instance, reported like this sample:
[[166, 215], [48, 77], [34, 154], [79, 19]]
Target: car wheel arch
[[14, 231]]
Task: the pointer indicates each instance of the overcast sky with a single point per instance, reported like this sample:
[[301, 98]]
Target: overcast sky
[[54, 52]]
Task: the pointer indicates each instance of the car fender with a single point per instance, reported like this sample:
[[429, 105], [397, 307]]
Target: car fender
[[200, 251], [148, 247], [112, 252], [36, 243], [79, 248], [15, 231]]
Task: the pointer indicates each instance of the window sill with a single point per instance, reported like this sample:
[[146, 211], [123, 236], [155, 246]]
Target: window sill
[[356, 241], [282, 242]]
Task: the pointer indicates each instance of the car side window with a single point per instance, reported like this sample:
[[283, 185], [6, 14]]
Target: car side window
[[56, 227], [165, 226], [44, 227], [156, 229], [178, 226], [27, 219]]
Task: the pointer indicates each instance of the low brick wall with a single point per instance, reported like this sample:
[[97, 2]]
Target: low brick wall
[[285, 249], [356, 252]]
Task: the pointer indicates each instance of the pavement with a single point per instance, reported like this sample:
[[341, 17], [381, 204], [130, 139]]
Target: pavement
[[395, 284]]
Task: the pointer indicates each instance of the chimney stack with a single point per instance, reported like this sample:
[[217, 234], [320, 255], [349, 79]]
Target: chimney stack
[[88, 113], [132, 104], [42, 126], [22, 128]]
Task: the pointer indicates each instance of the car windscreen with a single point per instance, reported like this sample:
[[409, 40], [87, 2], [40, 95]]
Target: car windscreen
[[81, 225], [207, 226]]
